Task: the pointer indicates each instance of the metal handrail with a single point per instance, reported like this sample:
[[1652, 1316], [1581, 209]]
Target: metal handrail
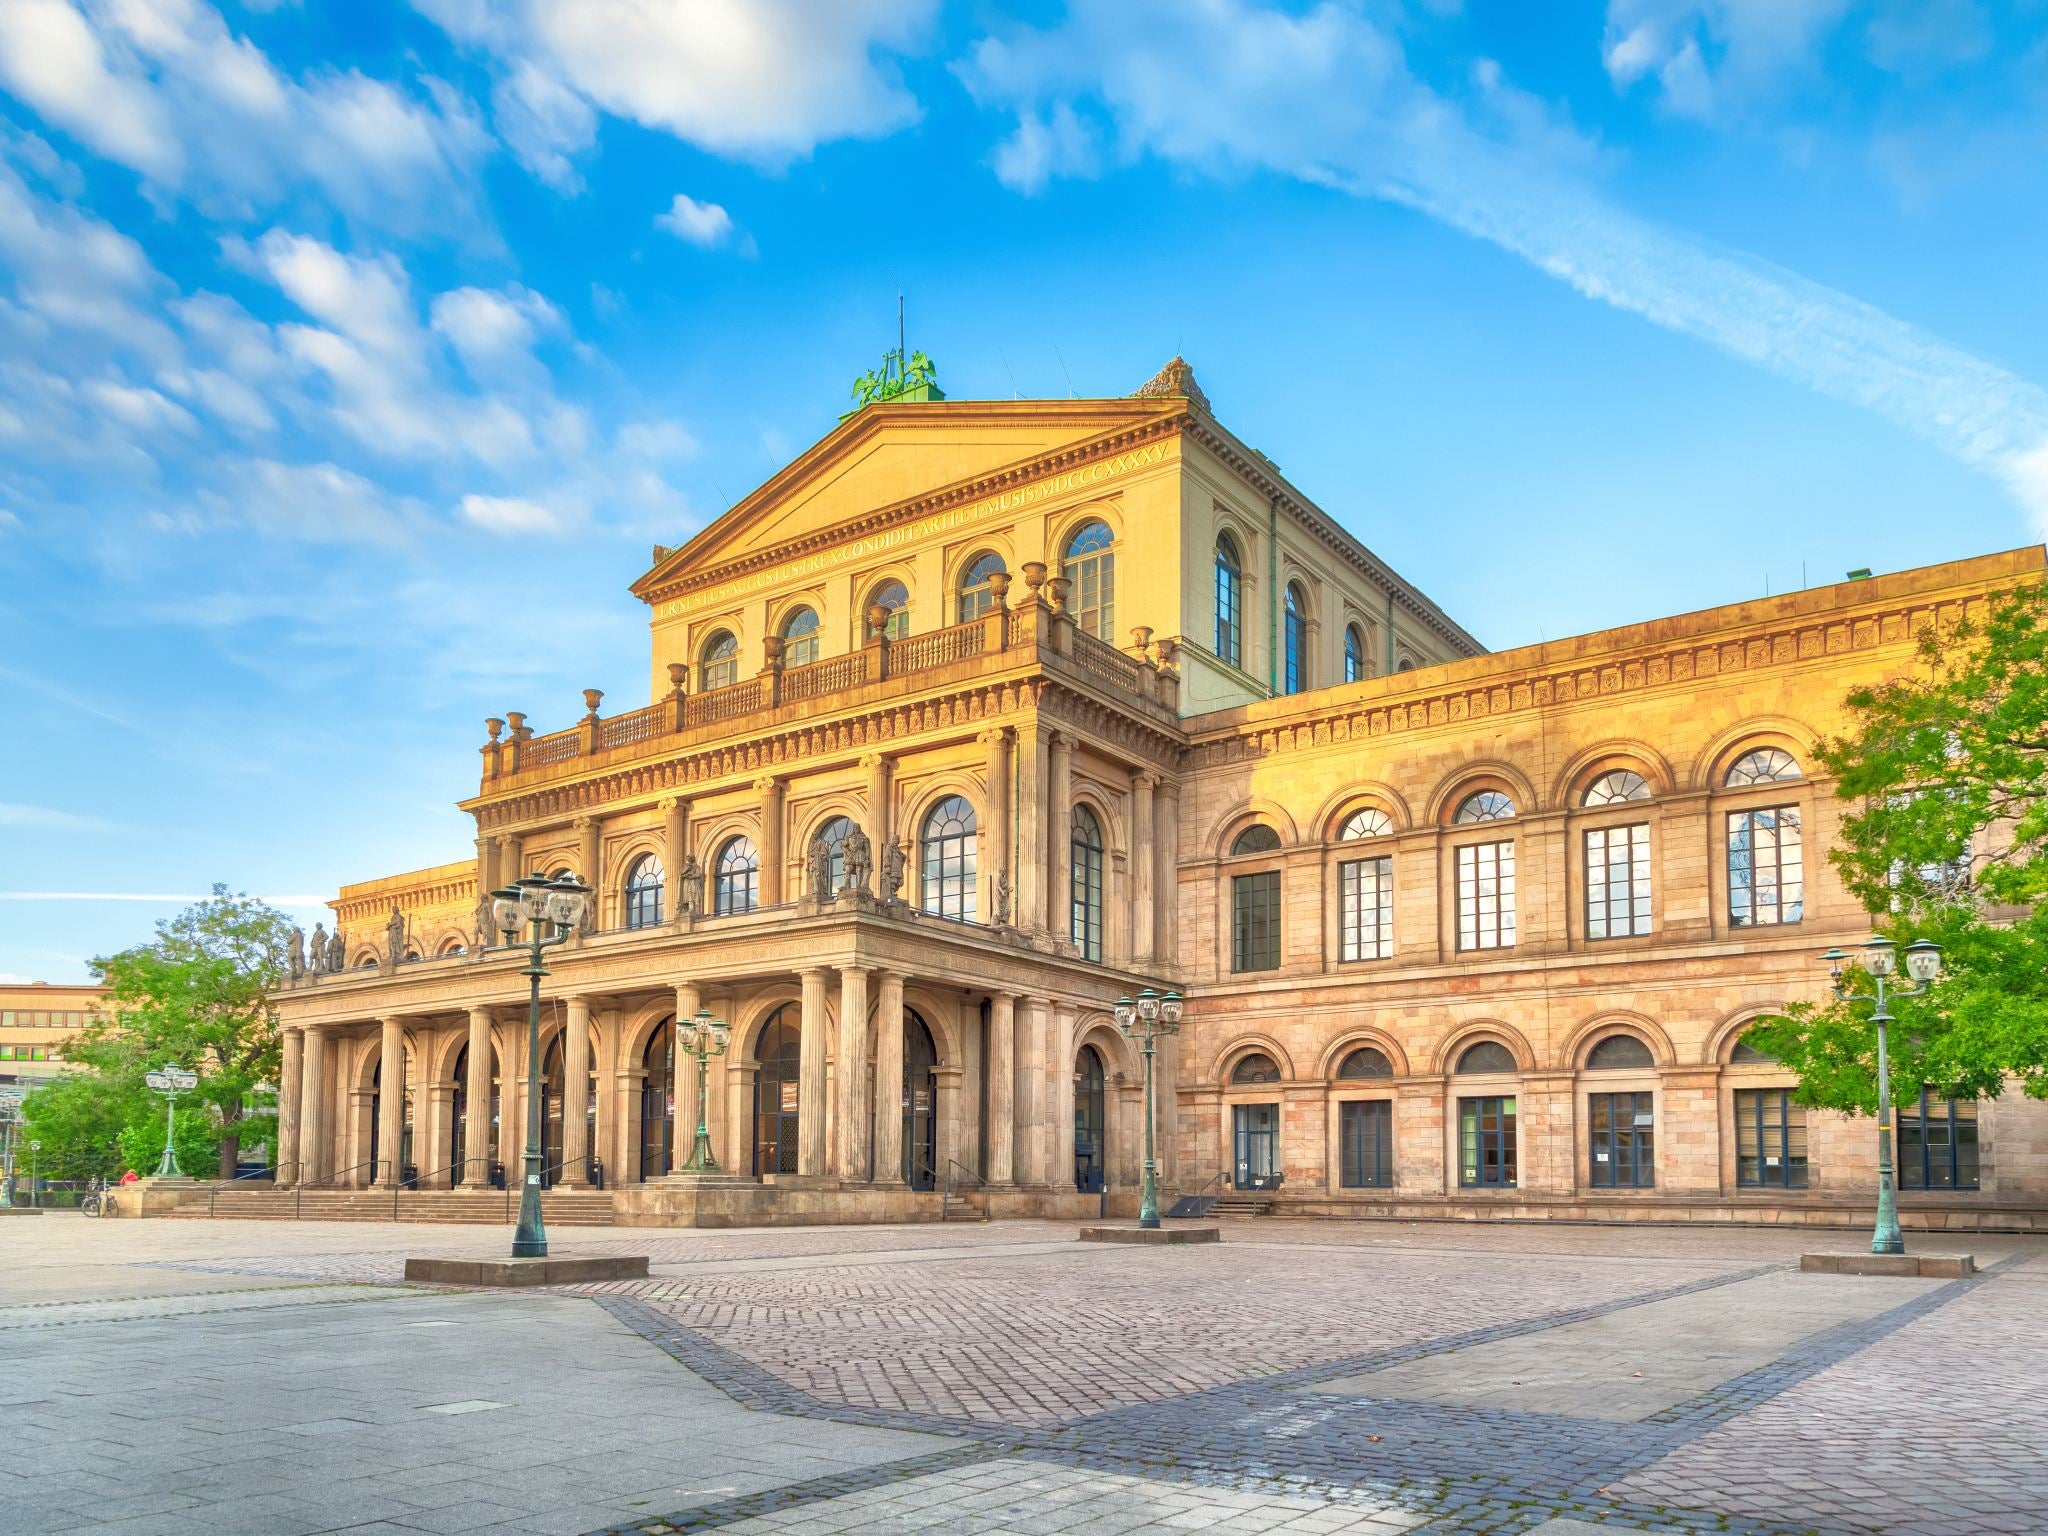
[[254, 1173], [953, 1185], [1214, 1181]]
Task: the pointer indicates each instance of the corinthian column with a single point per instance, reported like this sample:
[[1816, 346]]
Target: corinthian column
[[391, 1109], [313, 1107], [850, 1156], [889, 1080], [810, 1088], [476, 1136], [576, 1094]]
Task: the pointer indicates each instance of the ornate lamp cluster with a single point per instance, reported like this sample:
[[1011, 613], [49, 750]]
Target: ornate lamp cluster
[[1879, 957], [702, 1037], [1146, 1018], [549, 911]]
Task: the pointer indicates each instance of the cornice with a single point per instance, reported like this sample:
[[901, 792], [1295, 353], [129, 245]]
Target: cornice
[[965, 710], [673, 579], [1676, 663]]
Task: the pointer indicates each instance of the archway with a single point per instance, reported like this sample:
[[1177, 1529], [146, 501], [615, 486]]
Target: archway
[[778, 1099], [657, 1106], [407, 1168], [1091, 1124]]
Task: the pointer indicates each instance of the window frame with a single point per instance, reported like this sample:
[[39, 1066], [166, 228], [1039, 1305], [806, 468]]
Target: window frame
[[1789, 1116], [1359, 881], [1229, 600], [976, 598], [1354, 655], [1085, 903], [1294, 668], [1635, 1139], [949, 860], [718, 668], [1474, 1136], [800, 647], [1747, 816], [1922, 1163], [641, 901], [1365, 1143], [1256, 914], [1638, 884], [1475, 935], [897, 625], [1091, 601], [735, 888]]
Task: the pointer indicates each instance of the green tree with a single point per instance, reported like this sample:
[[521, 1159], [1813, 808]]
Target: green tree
[[199, 994], [79, 1118], [1948, 766]]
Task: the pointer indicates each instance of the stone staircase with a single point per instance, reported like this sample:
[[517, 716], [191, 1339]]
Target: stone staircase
[[964, 1205], [481, 1207]]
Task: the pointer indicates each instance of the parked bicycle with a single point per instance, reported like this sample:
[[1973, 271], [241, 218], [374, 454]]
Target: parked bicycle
[[98, 1199]]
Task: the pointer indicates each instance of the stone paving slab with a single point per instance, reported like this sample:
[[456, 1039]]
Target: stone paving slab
[[1627, 1365]]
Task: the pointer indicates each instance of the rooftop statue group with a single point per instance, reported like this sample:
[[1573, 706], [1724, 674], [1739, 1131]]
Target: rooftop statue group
[[326, 953]]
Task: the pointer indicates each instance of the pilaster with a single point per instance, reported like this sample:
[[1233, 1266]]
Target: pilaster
[[810, 1126], [889, 1079]]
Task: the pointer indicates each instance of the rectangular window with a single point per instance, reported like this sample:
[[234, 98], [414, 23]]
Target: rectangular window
[[1255, 922], [1365, 1131], [1486, 895], [1623, 1126], [1766, 882], [1938, 1144], [1770, 1139], [1618, 881], [1486, 1143], [1257, 1134], [1365, 894]]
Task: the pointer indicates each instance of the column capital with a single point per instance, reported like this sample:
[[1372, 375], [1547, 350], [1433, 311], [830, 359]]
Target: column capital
[[671, 803], [873, 760], [992, 736], [577, 999], [767, 783], [481, 1011], [856, 970], [584, 823], [808, 971], [1144, 778]]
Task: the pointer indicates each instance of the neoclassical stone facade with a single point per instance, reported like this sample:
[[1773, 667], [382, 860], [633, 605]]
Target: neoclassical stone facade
[[983, 714]]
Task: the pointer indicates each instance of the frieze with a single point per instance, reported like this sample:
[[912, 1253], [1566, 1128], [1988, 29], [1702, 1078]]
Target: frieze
[[1681, 664]]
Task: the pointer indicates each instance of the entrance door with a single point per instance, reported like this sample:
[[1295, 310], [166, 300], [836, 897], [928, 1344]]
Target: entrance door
[[920, 1103], [551, 1115], [1258, 1144], [1089, 1129], [777, 1102], [656, 1137], [458, 1143]]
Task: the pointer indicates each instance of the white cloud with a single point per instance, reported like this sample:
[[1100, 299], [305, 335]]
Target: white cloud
[[1225, 86], [317, 503], [43, 818], [167, 89], [704, 224], [1713, 56], [760, 80], [494, 332], [511, 514]]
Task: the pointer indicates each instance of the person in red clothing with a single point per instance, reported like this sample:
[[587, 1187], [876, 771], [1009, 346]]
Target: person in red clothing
[[131, 1177]]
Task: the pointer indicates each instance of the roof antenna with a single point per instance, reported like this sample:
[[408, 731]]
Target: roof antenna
[[1072, 393], [1015, 392], [901, 352], [721, 493]]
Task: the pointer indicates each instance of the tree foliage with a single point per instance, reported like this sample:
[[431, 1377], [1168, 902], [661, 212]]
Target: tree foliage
[[1948, 766], [199, 994]]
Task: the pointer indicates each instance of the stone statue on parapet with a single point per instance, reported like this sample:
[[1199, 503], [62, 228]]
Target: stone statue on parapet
[[818, 870], [892, 873], [319, 961], [295, 953], [689, 885], [394, 937], [860, 861], [486, 921], [1001, 915], [337, 952]]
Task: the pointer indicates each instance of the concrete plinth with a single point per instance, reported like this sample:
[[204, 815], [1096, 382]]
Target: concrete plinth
[[555, 1269], [1928, 1266], [1171, 1236]]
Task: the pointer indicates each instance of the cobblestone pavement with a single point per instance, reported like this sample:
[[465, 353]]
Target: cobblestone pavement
[[1299, 1376]]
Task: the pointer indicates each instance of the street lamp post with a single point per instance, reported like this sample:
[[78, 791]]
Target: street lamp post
[[35, 1194], [702, 1037], [10, 1114], [170, 1080], [1147, 1019], [549, 910], [1879, 957]]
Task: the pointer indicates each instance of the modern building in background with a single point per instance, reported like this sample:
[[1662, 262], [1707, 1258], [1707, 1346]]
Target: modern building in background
[[37, 1020], [981, 715]]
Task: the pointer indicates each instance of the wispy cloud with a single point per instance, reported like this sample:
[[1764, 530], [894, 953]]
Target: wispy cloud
[[155, 898], [49, 819], [1224, 87]]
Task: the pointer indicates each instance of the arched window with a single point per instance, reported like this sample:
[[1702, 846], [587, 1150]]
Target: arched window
[[721, 665], [895, 597], [454, 947], [976, 595], [367, 963], [1617, 786], [1749, 1055], [1294, 668], [1765, 765], [778, 1087], [1486, 1056], [800, 637], [1256, 838], [1618, 1053], [1088, 562], [1085, 881], [1354, 654], [1407, 664], [1366, 1061], [1487, 805], [1090, 1124], [948, 842], [736, 885], [1229, 601], [1368, 822], [1256, 1068], [644, 881], [833, 836]]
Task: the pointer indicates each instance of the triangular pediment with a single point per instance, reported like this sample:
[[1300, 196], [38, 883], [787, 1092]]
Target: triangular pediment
[[889, 454]]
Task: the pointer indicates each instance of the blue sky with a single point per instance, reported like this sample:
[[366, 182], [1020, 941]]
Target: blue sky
[[353, 355]]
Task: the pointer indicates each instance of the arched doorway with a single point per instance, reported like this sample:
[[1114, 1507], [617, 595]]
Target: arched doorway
[[483, 1124], [920, 1103], [657, 1110], [551, 1114], [1091, 1126], [778, 1099], [407, 1169]]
